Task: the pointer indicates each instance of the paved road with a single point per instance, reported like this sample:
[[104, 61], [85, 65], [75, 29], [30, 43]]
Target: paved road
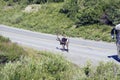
[[80, 52]]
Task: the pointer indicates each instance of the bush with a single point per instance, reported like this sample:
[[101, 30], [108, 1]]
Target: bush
[[106, 71], [84, 13], [88, 16], [48, 19], [9, 51], [70, 8], [11, 2], [44, 68], [2, 39], [113, 11]]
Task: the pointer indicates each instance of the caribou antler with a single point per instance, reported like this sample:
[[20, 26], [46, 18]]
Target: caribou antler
[[58, 39]]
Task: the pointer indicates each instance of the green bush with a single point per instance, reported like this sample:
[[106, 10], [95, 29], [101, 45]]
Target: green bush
[[113, 11], [70, 8], [9, 51], [48, 19], [106, 71], [44, 65], [15, 65], [50, 69], [103, 71], [44, 68], [2, 39], [11, 2], [85, 12], [88, 16], [93, 32]]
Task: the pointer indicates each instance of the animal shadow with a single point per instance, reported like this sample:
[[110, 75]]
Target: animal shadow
[[62, 49], [115, 57]]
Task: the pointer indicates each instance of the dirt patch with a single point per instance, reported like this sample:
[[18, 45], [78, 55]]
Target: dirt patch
[[32, 8]]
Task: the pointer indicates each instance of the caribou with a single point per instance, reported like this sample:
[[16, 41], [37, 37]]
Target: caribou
[[64, 42]]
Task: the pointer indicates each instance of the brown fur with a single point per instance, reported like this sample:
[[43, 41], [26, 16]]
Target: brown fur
[[63, 45]]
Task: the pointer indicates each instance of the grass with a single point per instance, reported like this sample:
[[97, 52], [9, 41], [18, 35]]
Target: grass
[[92, 32], [21, 63], [49, 20], [25, 64], [9, 51], [44, 65], [31, 68]]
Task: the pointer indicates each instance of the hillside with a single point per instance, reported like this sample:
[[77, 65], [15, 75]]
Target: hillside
[[75, 18], [22, 63], [50, 17]]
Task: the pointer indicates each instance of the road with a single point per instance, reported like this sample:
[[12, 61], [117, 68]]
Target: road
[[80, 50]]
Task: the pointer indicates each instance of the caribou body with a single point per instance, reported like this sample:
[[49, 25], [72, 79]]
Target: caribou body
[[64, 42]]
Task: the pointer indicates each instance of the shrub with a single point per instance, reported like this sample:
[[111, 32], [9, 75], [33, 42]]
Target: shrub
[[84, 13], [2, 39], [106, 71], [11, 2], [38, 68], [9, 51]]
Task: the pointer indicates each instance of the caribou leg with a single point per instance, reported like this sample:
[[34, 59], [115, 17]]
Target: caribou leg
[[63, 46], [118, 50], [67, 43]]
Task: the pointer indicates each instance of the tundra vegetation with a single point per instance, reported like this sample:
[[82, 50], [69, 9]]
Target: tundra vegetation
[[89, 19], [22, 63]]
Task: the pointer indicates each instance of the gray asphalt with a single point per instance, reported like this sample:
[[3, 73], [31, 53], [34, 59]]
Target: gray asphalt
[[80, 51]]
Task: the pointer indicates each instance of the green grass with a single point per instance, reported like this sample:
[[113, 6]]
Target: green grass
[[9, 51], [49, 20], [44, 65], [104, 71], [44, 68], [17, 63], [92, 32], [26, 64]]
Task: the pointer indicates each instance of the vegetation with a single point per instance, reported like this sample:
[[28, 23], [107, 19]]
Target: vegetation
[[68, 17], [8, 51], [84, 13], [43, 65], [104, 71], [77, 18], [17, 63], [31, 68]]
